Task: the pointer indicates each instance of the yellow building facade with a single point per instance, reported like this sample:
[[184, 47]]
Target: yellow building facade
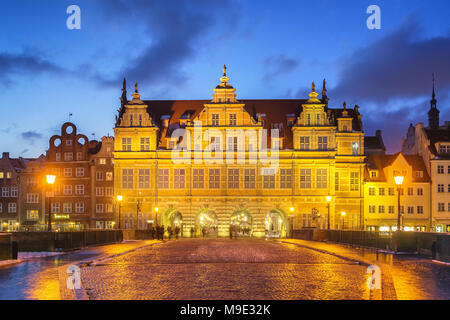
[[259, 167]]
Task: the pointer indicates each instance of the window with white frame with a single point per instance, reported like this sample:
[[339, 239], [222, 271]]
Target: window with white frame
[[55, 207], [419, 209], [79, 207], [102, 161], [32, 197], [232, 144], [305, 178], [32, 181], [198, 178], [354, 181], [67, 190], [32, 215], [380, 209], [145, 144], [108, 207], [214, 178], [285, 178], [163, 178], [249, 178], [233, 119], [268, 179], [144, 178], [109, 191], [179, 178], [215, 144], [215, 119], [12, 207], [68, 156], [58, 156], [109, 176], [79, 172], [323, 143], [99, 207], [79, 189], [440, 169], [127, 178], [233, 178], [371, 208], [67, 172], [99, 191], [126, 144], [99, 175], [79, 156], [5, 192], [321, 179], [67, 207], [14, 192]]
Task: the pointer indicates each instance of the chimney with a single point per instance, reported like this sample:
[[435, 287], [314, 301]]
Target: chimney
[[5, 155]]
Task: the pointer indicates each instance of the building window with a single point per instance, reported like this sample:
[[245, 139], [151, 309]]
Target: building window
[[33, 215], [163, 178], [440, 188], [380, 209], [371, 208], [2, 174], [79, 207], [68, 156], [145, 144], [233, 178], [232, 119], [305, 178], [79, 156], [321, 179], [14, 192], [102, 161], [232, 144], [355, 148], [108, 207], [144, 178], [99, 207], [127, 178], [79, 172], [67, 189], [12, 207], [371, 191], [391, 192], [269, 179], [178, 178], [215, 119], [67, 172], [99, 191], [336, 181], [109, 176], [444, 148], [419, 209], [68, 142], [304, 143], [214, 178], [57, 156], [440, 169], [391, 209], [1, 207], [323, 143], [410, 210], [109, 191], [32, 198], [99, 175], [441, 207], [373, 174], [420, 191], [381, 191], [410, 191], [5, 192], [285, 178], [67, 207], [215, 144], [249, 178], [198, 177], [79, 189], [354, 181], [55, 207], [419, 174], [126, 144]]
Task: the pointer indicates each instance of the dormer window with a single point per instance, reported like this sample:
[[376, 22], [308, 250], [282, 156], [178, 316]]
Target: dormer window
[[418, 174], [232, 119], [215, 119], [374, 174], [444, 148]]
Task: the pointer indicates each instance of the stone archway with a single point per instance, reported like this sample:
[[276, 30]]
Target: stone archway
[[206, 224], [241, 221], [275, 224], [172, 218]]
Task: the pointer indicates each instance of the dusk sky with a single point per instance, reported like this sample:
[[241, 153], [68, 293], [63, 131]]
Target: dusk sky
[[176, 50]]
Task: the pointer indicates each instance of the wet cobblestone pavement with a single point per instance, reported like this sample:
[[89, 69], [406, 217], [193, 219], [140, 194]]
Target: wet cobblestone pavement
[[225, 269]]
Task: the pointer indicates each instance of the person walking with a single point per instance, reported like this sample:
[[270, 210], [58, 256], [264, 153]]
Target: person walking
[[177, 231], [152, 232], [231, 231], [192, 232], [170, 232]]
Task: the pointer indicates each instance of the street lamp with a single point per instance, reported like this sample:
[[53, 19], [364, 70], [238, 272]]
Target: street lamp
[[119, 200], [343, 213], [398, 182], [328, 201], [50, 181], [156, 215]]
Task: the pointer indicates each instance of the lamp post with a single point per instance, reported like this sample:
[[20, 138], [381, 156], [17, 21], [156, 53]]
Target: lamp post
[[343, 213], [398, 182], [50, 181], [328, 202], [156, 215], [119, 201]]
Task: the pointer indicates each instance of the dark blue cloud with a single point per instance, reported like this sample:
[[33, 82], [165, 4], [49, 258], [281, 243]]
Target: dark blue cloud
[[278, 65], [31, 135]]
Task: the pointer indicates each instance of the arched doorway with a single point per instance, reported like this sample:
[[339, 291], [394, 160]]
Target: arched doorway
[[275, 224], [206, 224], [242, 223], [173, 218]]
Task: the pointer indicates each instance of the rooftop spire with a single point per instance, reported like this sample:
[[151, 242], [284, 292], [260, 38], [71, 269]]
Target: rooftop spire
[[136, 96], [224, 70], [313, 87], [433, 113], [324, 92], [123, 98]]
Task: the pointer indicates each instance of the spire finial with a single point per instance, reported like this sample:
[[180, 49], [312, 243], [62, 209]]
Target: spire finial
[[313, 87], [136, 87], [345, 105], [434, 94], [224, 70], [124, 85]]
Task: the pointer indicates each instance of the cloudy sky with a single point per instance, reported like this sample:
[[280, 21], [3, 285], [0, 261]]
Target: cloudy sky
[[175, 49]]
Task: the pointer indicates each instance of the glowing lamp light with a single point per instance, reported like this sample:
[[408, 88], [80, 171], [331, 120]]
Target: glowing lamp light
[[50, 178], [156, 209], [291, 209], [328, 198], [343, 213], [119, 198], [398, 180]]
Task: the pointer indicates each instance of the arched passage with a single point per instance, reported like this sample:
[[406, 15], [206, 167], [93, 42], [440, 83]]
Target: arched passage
[[172, 218], [206, 224], [275, 224], [241, 222]]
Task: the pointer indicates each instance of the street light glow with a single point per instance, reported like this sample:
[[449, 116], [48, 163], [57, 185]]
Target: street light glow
[[119, 198], [50, 178], [328, 198], [398, 180], [343, 213], [156, 209]]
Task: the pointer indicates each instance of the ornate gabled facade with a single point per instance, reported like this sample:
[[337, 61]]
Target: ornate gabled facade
[[264, 167]]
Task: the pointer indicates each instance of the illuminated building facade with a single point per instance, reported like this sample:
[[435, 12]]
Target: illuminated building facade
[[432, 143], [381, 193], [202, 164]]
